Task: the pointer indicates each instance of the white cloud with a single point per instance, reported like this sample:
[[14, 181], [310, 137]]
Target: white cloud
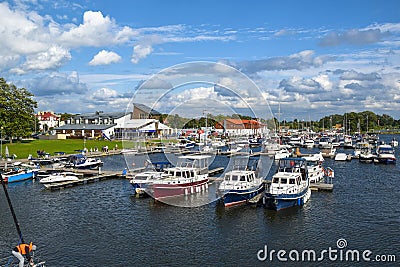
[[104, 58], [140, 51], [96, 30], [105, 93], [51, 59]]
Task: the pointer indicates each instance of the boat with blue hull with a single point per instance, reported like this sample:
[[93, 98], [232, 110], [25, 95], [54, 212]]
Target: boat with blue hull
[[20, 174], [290, 185], [240, 187]]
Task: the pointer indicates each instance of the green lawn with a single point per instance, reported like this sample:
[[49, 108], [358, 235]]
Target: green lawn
[[24, 148]]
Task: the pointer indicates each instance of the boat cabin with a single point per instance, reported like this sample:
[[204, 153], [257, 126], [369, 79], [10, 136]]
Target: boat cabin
[[239, 176], [293, 165], [284, 180]]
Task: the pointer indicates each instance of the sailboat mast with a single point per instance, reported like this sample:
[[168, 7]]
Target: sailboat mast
[[21, 239]]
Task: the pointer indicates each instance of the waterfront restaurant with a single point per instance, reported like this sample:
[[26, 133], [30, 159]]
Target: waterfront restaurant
[[142, 128]]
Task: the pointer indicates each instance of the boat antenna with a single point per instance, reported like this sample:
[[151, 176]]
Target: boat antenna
[[21, 239]]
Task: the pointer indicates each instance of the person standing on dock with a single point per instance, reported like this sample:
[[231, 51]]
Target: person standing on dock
[[24, 249]]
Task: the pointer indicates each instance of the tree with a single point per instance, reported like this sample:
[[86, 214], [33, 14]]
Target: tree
[[16, 110]]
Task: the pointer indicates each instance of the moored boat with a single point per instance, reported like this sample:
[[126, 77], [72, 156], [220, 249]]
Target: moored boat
[[59, 177], [79, 161], [20, 174], [290, 185], [282, 153], [314, 167], [328, 151], [141, 181], [189, 177], [241, 186], [385, 154], [366, 154], [394, 142], [342, 157], [360, 147]]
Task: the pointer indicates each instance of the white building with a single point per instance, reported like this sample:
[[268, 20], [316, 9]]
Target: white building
[[47, 120]]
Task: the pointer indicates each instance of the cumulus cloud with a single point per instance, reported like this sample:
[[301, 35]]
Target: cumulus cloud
[[51, 59], [353, 37], [105, 94], [354, 75], [104, 58], [300, 85], [56, 84], [140, 51], [96, 30], [299, 61]]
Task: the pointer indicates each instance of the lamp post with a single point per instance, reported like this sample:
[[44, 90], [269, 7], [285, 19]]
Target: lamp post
[[84, 138], [1, 142]]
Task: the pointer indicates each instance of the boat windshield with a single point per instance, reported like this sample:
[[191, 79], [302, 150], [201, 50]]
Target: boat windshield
[[387, 150]]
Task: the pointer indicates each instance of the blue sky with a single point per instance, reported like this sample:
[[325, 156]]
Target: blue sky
[[311, 58]]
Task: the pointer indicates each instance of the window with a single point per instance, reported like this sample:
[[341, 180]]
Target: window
[[275, 180], [283, 181], [291, 181]]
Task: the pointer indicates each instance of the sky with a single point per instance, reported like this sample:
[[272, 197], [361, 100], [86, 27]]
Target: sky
[[290, 59]]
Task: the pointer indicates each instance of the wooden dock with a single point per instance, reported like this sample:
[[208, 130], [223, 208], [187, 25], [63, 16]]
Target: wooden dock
[[321, 187], [91, 179]]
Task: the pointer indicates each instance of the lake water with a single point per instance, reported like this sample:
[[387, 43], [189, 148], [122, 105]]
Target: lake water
[[103, 224]]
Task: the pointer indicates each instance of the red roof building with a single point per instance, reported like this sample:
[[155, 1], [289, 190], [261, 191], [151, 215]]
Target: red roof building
[[47, 120], [238, 126]]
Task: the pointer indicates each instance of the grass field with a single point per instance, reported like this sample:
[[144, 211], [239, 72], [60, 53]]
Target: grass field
[[26, 147], [69, 146]]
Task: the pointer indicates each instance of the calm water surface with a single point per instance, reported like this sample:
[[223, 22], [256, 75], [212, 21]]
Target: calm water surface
[[103, 224]]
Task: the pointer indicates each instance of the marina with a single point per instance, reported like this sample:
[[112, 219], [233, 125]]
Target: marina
[[106, 192]]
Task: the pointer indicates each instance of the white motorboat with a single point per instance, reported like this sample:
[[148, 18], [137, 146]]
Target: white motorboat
[[328, 151], [241, 186], [314, 167], [309, 143], [342, 157], [394, 142], [59, 177], [141, 181], [79, 161], [290, 185], [360, 146], [366, 154], [385, 154], [282, 153]]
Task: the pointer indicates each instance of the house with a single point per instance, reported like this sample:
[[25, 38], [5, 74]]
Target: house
[[141, 111], [93, 125], [239, 127], [47, 120]]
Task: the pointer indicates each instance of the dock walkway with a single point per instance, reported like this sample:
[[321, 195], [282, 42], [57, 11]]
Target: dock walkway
[[91, 179]]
